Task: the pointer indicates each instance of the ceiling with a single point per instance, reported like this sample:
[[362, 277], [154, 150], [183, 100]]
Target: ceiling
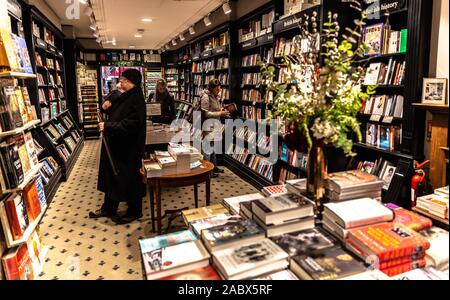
[[120, 20]]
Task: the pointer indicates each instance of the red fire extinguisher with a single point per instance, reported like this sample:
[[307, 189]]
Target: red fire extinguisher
[[418, 182]]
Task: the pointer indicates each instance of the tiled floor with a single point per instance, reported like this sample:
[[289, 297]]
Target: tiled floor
[[85, 249]]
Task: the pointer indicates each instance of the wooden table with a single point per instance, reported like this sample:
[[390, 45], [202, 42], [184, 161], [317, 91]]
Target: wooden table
[[195, 177]]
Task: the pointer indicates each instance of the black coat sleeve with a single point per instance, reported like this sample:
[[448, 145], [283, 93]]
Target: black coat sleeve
[[129, 125]]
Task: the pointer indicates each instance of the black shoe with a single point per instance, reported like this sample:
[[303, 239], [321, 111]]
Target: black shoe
[[100, 214], [214, 175], [127, 219], [218, 171]]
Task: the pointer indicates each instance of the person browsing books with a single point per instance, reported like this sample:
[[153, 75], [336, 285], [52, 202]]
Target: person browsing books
[[212, 109], [167, 101], [125, 133]]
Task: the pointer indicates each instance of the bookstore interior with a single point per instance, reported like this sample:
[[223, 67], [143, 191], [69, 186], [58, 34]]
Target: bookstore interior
[[326, 158]]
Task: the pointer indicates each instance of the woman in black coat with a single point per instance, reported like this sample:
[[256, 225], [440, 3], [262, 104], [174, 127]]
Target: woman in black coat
[[162, 95], [125, 132]]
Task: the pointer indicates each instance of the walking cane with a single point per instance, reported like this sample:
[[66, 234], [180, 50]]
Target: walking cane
[[106, 145]]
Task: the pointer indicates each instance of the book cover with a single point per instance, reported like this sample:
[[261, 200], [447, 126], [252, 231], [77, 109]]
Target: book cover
[[372, 74], [41, 192], [378, 107], [16, 168], [31, 149], [17, 264], [231, 232], [32, 203], [438, 254], [23, 153], [385, 137], [221, 220], [8, 61], [12, 108], [277, 190], [372, 134], [373, 38], [354, 179], [21, 104], [400, 269], [233, 203], [388, 241], [409, 218], [403, 40], [163, 241], [17, 215], [206, 273], [326, 264], [245, 261], [356, 213], [203, 213], [302, 242], [24, 55], [167, 261]]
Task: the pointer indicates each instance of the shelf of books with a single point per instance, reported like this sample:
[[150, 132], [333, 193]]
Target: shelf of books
[[45, 42], [88, 100], [393, 66], [64, 140], [280, 227], [152, 75]]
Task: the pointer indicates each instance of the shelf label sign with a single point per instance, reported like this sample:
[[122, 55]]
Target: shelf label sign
[[375, 118], [248, 44], [375, 8], [388, 120]]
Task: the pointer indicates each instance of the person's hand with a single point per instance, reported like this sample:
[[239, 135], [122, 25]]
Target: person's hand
[[225, 114], [106, 105], [101, 126]]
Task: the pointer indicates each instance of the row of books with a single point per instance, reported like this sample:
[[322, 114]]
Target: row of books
[[251, 112], [293, 158], [16, 109], [435, 204], [222, 63], [286, 175], [47, 36], [257, 27], [251, 78], [384, 136], [205, 66], [381, 39], [49, 168], [18, 157], [14, 53], [382, 74], [22, 209], [113, 56], [226, 241], [259, 164], [251, 60], [383, 105], [246, 134], [251, 95]]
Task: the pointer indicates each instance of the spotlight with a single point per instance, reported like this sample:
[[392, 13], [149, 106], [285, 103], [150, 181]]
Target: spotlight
[[93, 26], [83, 1], [88, 11], [174, 42], [167, 47], [226, 8], [182, 37], [192, 30], [207, 21], [99, 39]]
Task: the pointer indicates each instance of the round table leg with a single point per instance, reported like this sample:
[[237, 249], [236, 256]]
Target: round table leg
[[196, 195], [152, 205], [208, 190]]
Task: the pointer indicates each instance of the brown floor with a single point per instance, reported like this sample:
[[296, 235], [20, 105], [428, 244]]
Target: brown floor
[[85, 249]]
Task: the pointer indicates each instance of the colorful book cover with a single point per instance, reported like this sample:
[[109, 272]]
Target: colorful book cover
[[32, 202], [385, 140], [400, 269], [206, 273], [24, 55], [7, 51], [203, 213], [163, 241], [388, 241], [373, 39], [17, 216], [227, 233], [409, 218], [403, 40], [17, 264]]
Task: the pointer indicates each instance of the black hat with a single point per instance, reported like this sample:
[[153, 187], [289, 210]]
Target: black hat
[[134, 76]]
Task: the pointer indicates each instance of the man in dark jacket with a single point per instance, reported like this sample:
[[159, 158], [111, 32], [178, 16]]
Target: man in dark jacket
[[167, 101], [125, 132]]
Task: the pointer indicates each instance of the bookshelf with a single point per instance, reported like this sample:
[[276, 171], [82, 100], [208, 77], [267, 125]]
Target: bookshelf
[[46, 44], [407, 28]]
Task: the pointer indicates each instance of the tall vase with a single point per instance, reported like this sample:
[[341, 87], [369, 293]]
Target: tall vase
[[317, 174]]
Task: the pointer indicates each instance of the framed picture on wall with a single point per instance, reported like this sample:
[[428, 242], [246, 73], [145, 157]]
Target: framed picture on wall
[[434, 91]]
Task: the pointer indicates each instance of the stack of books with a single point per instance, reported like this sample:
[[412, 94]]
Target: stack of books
[[410, 219], [233, 204], [351, 185], [296, 186], [435, 205], [437, 255], [274, 191], [339, 218], [283, 214], [390, 247], [195, 214], [428, 273]]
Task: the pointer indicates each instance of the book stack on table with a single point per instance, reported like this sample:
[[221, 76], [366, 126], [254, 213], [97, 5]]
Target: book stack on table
[[435, 205], [351, 185]]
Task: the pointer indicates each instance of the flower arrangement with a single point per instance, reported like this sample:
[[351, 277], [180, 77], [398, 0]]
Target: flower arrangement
[[321, 102]]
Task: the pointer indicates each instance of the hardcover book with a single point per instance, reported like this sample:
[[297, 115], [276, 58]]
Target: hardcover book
[[17, 264], [410, 219], [32, 202], [233, 204], [400, 269], [388, 241], [175, 259], [438, 254], [250, 260], [199, 225], [326, 264], [163, 241], [17, 216], [302, 242], [354, 180], [373, 38], [202, 213], [228, 235]]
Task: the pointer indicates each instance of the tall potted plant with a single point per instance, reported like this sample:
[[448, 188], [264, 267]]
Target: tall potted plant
[[320, 102]]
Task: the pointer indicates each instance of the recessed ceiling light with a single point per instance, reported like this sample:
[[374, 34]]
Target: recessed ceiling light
[[147, 20], [132, 47], [138, 35]]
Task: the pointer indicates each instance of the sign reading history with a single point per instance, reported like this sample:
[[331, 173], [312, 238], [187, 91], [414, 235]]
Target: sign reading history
[[375, 8]]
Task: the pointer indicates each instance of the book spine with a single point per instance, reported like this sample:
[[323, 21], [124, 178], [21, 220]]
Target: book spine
[[403, 40], [400, 269]]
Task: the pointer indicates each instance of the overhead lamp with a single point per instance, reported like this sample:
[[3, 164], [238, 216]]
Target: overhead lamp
[[83, 1], [138, 35], [114, 42], [167, 47], [174, 42], [226, 8], [88, 11], [207, 20], [95, 34], [99, 39], [132, 46], [147, 20], [159, 51], [93, 26], [182, 37], [192, 30]]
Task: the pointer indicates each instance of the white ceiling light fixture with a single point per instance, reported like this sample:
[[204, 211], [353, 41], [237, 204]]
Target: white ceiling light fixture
[[83, 1], [132, 46], [99, 39], [192, 30], [93, 26], [182, 37], [88, 11], [226, 8], [167, 47], [207, 21], [174, 42], [147, 20], [140, 33]]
